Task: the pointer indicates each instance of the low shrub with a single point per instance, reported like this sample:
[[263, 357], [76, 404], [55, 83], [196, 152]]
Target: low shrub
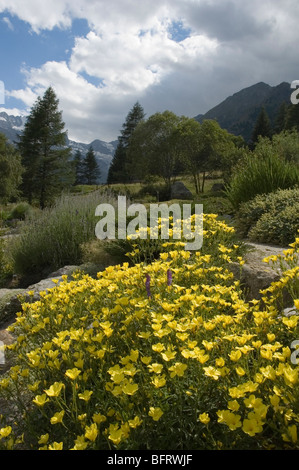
[[277, 227], [53, 237], [270, 217], [20, 211], [260, 174], [160, 356]]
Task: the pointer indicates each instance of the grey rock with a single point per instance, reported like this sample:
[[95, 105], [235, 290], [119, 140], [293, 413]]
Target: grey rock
[[218, 187], [179, 191], [10, 303]]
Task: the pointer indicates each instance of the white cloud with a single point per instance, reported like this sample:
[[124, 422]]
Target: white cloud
[[133, 55]]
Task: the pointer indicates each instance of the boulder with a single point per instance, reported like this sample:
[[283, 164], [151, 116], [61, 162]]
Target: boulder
[[256, 275], [253, 278], [217, 187], [10, 303], [179, 191]]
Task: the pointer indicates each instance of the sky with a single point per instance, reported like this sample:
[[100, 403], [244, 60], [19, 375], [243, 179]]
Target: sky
[[100, 57]]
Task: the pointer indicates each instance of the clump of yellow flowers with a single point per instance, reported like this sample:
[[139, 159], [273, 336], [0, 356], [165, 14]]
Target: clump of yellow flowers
[[158, 356]]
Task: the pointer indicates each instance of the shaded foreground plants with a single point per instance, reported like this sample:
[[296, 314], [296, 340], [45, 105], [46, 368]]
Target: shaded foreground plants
[[160, 356]]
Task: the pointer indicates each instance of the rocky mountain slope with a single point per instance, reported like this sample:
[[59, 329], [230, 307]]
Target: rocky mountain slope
[[238, 113], [12, 127]]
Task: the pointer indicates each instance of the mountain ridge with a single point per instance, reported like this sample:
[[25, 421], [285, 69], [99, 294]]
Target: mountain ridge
[[12, 127], [238, 113]]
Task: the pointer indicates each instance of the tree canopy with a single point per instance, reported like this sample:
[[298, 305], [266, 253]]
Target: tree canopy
[[10, 170]]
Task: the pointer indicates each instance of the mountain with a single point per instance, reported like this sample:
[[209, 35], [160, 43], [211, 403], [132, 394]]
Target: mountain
[[12, 127], [238, 113]]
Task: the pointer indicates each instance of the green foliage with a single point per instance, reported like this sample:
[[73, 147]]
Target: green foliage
[[5, 266], [11, 170], [90, 168], [260, 172], [262, 126], [270, 217], [119, 171], [20, 211], [53, 237], [277, 227]]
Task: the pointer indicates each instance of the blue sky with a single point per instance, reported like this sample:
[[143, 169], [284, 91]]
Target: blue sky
[[101, 57]]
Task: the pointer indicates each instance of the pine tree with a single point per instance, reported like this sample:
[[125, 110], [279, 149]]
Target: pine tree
[[78, 168], [262, 126], [45, 157], [118, 172], [91, 170], [281, 118]]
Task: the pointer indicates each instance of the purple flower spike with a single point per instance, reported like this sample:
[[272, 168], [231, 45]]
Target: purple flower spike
[[148, 285], [169, 277]]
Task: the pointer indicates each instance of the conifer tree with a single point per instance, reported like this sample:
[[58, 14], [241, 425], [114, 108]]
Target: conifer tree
[[91, 170], [262, 126], [78, 168], [118, 172], [45, 156]]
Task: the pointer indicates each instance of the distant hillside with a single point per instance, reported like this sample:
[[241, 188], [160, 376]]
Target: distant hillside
[[238, 113], [12, 127]]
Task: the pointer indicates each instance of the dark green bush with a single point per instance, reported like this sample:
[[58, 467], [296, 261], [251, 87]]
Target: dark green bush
[[250, 212], [277, 227], [270, 218], [20, 211], [261, 174]]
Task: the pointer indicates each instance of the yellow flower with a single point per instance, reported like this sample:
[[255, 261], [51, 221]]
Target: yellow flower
[[212, 372], [80, 443], [290, 375], [159, 381], [43, 439], [4, 432], [157, 368], [91, 432], [291, 322], [232, 420], [57, 418], [56, 446], [130, 389], [204, 418], [55, 389], [253, 402], [220, 362], [146, 359], [240, 371], [133, 423], [73, 373], [40, 400], [155, 413], [99, 418], [158, 347], [168, 354], [251, 427], [235, 355], [291, 435], [86, 395], [115, 434], [178, 369], [233, 405]]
